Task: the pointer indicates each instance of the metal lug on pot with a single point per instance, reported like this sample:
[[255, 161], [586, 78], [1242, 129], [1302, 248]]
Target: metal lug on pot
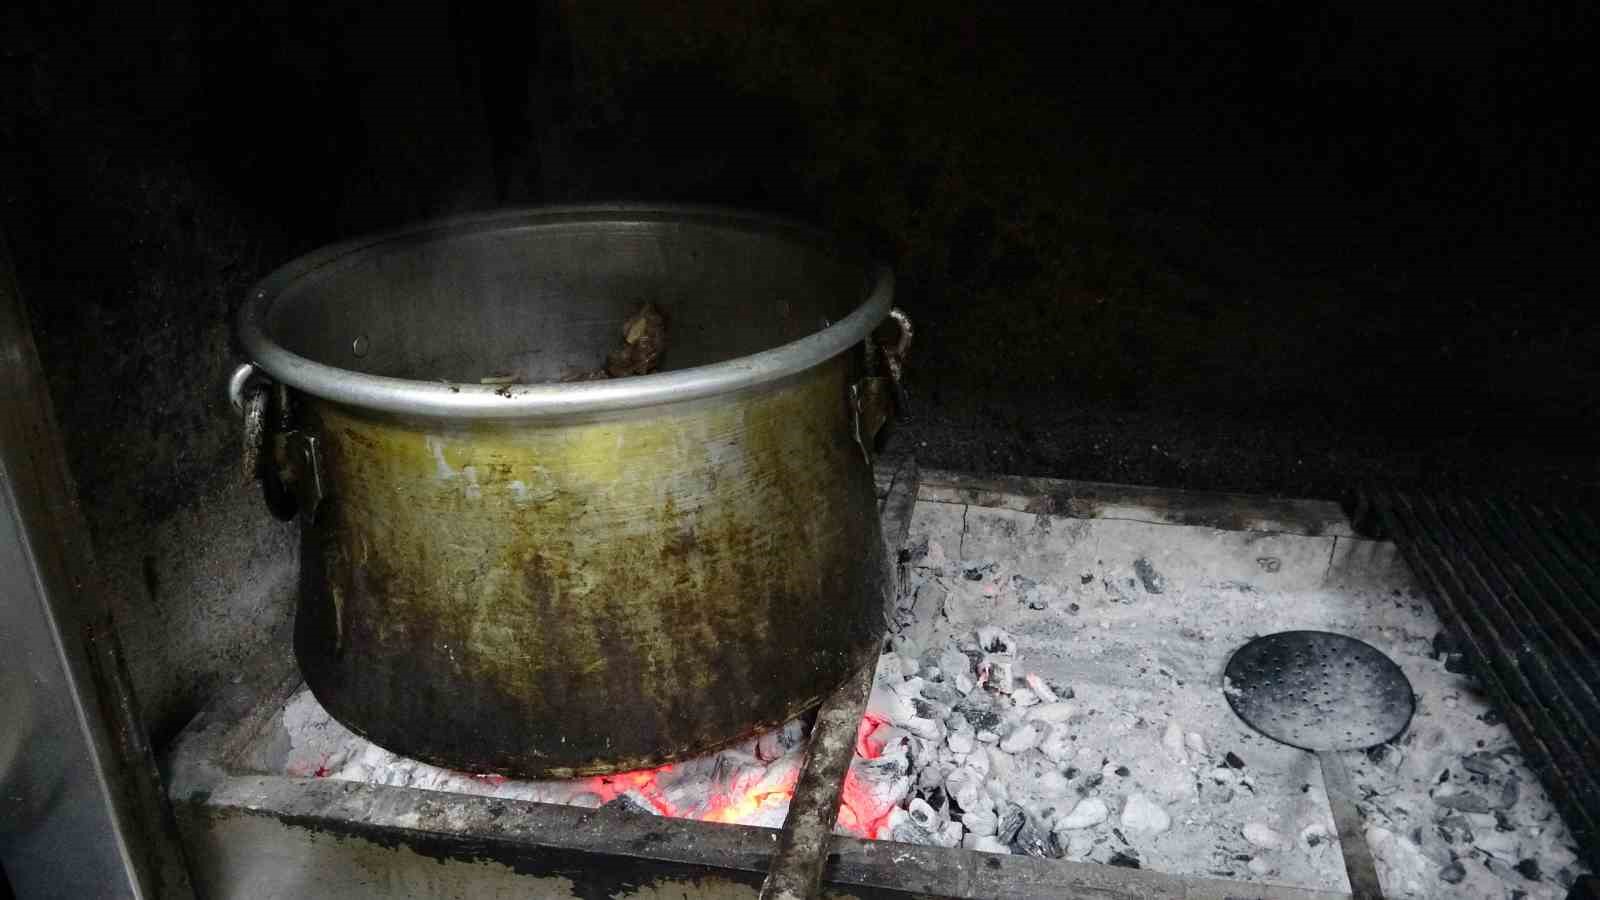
[[876, 399], [302, 472], [247, 394], [895, 360], [291, 480], [244, 379], [872, 401]]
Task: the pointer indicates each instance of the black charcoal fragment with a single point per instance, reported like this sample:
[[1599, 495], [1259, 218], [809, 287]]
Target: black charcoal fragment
[[1481, 763], [630, 805], [1011, 824], [1148, 576], [1509, 793], [1466, 801], [1032, 839]]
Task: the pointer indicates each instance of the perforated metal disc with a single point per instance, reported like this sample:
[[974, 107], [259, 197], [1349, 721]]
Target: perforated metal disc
[[1319, 691]]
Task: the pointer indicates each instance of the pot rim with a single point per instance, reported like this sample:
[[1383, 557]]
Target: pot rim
[[440, 399]]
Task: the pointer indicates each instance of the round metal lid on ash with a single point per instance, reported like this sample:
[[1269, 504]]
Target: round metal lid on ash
[[1319, 691]]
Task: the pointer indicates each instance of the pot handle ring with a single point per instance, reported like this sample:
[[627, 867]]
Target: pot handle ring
[[876, 398], [247, 394], [286, 461], [895, 360]]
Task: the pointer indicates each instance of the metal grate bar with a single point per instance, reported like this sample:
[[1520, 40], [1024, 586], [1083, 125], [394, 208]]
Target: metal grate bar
[[1560, 534], [1524, 646], [1579, 526], [1516, 588], [1552, 576], [1542, 619]]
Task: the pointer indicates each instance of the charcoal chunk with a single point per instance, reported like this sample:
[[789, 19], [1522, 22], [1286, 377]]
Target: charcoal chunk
[[1466, 801], [980, 713], [1032, 839], [977, 571], [1148, 576], [1011, 824], [1481, 763], [1509, 793], [1444, 647], [630, 805]]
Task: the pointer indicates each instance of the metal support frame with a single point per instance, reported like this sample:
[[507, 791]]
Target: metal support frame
[[81, 807], [808, 829]]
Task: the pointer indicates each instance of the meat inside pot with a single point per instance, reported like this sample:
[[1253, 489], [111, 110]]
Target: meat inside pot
[[644, 340]]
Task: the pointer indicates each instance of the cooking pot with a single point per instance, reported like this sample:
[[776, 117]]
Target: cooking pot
[[518, 574]]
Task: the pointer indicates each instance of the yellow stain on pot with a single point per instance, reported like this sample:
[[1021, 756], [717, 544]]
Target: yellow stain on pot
[[644, 586]]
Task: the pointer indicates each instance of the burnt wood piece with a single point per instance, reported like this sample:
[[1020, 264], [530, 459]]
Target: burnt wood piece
[[808, 829], [1515, 584]]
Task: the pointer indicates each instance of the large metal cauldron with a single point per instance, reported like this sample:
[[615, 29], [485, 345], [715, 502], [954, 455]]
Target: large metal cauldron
[[551, 579]]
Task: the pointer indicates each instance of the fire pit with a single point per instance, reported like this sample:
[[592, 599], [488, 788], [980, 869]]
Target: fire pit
[[1122, 604]]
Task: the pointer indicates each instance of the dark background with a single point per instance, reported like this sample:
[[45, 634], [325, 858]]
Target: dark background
[[1268, 251]]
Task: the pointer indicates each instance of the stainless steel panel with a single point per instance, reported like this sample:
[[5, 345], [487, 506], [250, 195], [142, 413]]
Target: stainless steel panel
[[74, 794]]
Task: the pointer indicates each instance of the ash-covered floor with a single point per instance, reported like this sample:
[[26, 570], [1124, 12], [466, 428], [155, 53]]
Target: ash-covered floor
[[1138, 620], [1055, 688]]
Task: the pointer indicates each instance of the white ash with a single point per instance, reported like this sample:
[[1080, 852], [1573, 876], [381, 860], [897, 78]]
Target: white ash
[[1020, 739], [1041, 689], [1172, 740], [1315, 835], [1051, 713], [1137, 757], [873, 787], [1088, 812], [1143, 814], [996, 640], [760, 772], [984, 843], [1263, 836]]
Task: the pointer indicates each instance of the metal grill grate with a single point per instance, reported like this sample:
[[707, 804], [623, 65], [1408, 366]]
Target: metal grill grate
[[1518, 586]]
